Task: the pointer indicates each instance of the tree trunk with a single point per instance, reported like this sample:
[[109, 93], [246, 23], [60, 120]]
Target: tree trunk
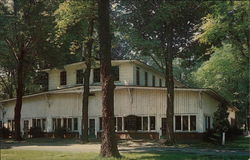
[[85, 98], [109, 144], [19, 96], [170, 91]]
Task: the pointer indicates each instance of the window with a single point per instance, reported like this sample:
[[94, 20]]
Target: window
[[38, 123], [193, 123], [54, 123], [69, 124], [25, 125], [152, 122], [63, 78], [64, 122], [100, 123], [185, 123], [96, 75], [160, 82], [43, 124], [75, 124], [79, 76], [1, 124], [115, 72], [119, 123], [145, 123], [139, 124], [177, 122], [146, 78], [34, 123], [153, 81], [130, 123], [207, 122], [137, 76], [58, 123]]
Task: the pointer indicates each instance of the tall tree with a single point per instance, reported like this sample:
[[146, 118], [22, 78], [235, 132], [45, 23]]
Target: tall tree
[[24, 35], [80, 15], [109, 144], [162, 30]]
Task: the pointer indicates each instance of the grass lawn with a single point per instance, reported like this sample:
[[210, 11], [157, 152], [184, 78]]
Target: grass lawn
[[49, 155], [240, 143]]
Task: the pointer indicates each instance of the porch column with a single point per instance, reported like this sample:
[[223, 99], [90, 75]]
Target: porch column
[[49, 127]]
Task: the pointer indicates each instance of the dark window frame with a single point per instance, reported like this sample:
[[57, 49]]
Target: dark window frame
[[63, 78], [79, 76]]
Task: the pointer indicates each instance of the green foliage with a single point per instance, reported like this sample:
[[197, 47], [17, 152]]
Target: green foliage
[[220, 122], [226, 74]]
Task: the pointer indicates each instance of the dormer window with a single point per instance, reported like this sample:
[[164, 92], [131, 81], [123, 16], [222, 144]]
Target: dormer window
[[137, 76], [63, 78], [153, 81], [96, 75], [115, 72], [79, 76]]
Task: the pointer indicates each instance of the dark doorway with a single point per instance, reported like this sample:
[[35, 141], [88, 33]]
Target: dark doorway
[[164, 126], [92, 127]]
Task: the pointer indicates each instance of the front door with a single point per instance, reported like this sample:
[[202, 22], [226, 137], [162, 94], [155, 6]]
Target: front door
[[164, 126], [92, 127]]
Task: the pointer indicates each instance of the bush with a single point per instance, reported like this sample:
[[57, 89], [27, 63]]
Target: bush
[[4, 133], [60, 132], [36, 132], [233, 132], [211, 136]]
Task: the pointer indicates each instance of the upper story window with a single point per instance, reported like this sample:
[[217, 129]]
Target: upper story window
[[115, 72], [153, 81], [146, 78], [137, 76], [96, 75], [79, 76], [160, 82], [63, 78]]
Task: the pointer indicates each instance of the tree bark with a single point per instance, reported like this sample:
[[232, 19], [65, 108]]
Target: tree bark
[[19, 96], [109, 144], [85, 99], [170, 90]]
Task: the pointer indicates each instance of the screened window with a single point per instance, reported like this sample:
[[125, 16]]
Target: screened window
[[153, 81], [145, 123], [79, 76], [75, 124], [115, 71], [152, 123], [63, 78], [177, 122], [130, 123], [146, 78], [137, 76], [97, 75], [185, 123], [192, 123]]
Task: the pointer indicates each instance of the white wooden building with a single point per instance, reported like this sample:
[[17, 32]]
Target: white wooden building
[[139, 105]]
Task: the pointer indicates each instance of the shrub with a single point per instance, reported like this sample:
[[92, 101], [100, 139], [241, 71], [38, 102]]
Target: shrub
[[36, 132], [211, 136], [4, 133], [233, 132]]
